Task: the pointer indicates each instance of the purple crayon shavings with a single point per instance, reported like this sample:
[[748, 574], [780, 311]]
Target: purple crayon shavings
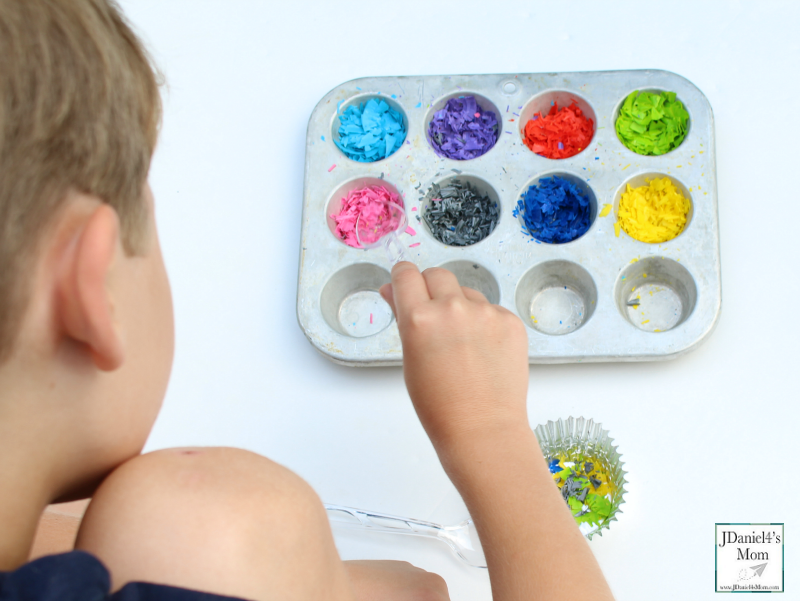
[[456, 133], [554, 211], [370, 131]]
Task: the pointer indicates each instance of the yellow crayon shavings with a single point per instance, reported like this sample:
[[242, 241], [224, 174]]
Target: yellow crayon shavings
[[605, 211], [653, 213]]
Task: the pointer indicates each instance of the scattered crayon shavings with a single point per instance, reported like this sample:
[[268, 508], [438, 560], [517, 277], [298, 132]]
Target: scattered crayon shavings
[[463, 130], [560, 134], [458, 215], [652, 124], [332, 167], [606, 210], [415, 245], [554, 211], [370, 203], [411, 231], [653, 213], [585, 487], [370, 131]]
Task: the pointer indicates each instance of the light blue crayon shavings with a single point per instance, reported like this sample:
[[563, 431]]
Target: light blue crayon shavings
[[370, 131]]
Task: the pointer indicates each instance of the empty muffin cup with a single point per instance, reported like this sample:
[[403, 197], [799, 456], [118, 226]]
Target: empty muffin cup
[[475, 276], [351, 304], [556, 297], [655, 294]]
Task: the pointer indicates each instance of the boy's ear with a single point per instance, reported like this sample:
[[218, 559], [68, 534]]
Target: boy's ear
[[85, 305]]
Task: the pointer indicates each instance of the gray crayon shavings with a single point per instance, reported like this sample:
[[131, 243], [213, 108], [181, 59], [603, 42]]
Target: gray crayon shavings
[[458, 215]]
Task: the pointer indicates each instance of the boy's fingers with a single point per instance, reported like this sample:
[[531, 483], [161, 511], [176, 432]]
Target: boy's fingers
[[474, 295], [441, 283], [388, 295], [408, 287]]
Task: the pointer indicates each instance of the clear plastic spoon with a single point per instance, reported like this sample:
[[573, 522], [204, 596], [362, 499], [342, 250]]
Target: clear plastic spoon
[[384, 234], [462, 539]]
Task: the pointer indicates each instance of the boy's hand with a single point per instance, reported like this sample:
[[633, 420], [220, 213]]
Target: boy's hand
[[465, 360], [466, 368], [394, 581]]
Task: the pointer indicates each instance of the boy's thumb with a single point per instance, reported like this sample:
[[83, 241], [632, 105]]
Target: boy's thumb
[[388, 295]]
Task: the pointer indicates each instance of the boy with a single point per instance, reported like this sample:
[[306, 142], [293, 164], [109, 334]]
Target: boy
[[86, 342]]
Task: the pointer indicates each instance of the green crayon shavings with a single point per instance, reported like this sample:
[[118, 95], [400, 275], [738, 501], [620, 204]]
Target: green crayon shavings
[[599, 510], [652, 124], [575, 505], [594, 509]]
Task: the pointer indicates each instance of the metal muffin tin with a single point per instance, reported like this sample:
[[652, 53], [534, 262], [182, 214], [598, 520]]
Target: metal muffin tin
[[591, 286]]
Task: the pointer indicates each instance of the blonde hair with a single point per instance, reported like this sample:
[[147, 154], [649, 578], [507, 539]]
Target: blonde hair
[[79, 110]]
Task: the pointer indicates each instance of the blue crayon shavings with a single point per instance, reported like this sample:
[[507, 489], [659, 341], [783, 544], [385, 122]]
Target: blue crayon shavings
[[463, 130], [370, 131], [554, 211]]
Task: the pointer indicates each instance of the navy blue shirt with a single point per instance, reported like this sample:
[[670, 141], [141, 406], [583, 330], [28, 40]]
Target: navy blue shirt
[[79, 576]]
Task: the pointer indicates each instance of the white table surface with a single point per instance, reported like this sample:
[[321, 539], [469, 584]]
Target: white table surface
[[702, 436]]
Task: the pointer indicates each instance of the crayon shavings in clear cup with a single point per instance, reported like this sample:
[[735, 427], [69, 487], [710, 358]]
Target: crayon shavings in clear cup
[[560, 134], [654, 213], [652, 123], [586, 488], [371, 204], [554, 211], [370, 131], [458, 215], [463, 130]]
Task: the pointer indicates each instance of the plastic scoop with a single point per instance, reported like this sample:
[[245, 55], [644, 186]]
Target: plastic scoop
[[380, 230], [462, 538]]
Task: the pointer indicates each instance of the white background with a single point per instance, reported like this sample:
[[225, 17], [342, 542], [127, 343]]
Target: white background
[[703, 436]]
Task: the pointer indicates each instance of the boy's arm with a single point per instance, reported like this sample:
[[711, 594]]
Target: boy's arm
[[466, 369]]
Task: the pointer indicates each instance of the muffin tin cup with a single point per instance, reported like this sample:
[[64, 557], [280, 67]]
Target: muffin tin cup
[[512, 267]]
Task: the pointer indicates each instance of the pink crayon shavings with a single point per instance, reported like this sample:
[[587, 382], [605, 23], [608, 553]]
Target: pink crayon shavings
[[411, 231], [414, 245], [332, 167], [370, 204], [370, 318]]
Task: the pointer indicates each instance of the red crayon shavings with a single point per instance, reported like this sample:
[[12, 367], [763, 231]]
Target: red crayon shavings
[[332, 167], [415, 245], [371, 204], [560, 134]]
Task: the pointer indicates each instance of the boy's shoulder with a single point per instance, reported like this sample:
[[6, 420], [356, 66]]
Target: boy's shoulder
[[79, 576]]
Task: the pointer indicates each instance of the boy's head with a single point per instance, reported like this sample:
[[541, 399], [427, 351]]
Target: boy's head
[[84, 300]]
